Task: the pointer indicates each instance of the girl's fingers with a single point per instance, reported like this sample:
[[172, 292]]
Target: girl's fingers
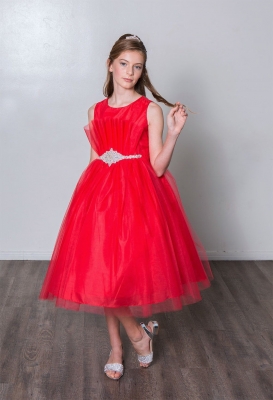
[[179, 107], [182, 107], [182, 111], [173, 110]]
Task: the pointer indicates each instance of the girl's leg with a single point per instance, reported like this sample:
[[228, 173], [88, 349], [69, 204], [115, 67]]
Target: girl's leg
[[139, 339], [113, 325]]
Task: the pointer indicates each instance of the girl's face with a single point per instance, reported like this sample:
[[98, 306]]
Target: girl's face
[[127, 68]]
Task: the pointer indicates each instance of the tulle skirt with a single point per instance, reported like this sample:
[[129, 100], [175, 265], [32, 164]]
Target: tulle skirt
[[125, 245]]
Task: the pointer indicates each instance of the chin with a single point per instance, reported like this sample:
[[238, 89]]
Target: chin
[[129, 85]]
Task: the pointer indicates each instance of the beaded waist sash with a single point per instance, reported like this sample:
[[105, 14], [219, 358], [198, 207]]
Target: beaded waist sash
[[112, 156]]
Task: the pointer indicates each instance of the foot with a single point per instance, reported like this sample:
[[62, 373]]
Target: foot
[[116, 356], [141, 344]]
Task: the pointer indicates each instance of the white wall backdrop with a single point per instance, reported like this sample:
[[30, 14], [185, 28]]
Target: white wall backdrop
[[215, 56]]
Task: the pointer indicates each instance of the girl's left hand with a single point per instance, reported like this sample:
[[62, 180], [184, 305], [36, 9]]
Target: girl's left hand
[[176, 119]]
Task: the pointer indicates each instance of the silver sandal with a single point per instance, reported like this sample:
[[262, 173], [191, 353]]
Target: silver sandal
[[149, 357], [117, 367]]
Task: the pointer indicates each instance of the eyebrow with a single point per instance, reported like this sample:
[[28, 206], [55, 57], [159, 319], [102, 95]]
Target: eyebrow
[[128, 61]]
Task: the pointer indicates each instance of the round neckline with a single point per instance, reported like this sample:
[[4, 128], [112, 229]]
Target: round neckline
[[116, 108]]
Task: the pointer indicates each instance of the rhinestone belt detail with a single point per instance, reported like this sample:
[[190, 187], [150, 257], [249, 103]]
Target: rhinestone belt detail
[[112, 156]]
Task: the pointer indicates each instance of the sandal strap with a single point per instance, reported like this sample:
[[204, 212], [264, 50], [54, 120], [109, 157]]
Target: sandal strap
[[114, 367], [145, 359], [150, 334]]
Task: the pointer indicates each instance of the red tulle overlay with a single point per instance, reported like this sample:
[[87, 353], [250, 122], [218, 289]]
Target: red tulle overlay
[[125, 245]]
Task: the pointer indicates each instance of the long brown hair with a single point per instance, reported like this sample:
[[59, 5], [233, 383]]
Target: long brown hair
[[134, 43]]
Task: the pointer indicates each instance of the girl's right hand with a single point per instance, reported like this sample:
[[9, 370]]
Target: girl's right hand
[[176, 119]]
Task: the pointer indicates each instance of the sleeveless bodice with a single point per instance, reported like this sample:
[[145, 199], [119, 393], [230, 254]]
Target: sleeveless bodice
[[122, 129]]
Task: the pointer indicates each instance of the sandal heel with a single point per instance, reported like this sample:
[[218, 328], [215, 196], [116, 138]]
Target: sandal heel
[[147, 359], [155, 327]]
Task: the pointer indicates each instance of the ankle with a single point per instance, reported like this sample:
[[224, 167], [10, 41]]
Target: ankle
[[138, 335], [117, 347]]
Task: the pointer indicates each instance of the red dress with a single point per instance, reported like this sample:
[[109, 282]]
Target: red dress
[[125, 244]]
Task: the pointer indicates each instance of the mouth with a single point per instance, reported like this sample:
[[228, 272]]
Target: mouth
[[128, 80]]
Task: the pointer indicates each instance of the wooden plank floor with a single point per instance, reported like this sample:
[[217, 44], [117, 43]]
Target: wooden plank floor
[[217, 349]]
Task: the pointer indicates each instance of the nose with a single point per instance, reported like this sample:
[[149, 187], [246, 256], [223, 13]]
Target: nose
[[130, 71]]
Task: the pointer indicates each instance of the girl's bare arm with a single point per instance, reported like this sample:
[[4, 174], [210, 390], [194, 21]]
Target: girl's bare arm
[[161, 154]]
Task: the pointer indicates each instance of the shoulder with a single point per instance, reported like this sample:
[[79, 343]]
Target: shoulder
[[91, 110], [154, 112]]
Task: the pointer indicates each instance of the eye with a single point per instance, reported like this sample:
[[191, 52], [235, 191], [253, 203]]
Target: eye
[[138, 66], [123, 63]]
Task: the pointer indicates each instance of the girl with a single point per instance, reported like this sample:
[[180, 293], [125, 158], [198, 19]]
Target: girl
[[125, 248]]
